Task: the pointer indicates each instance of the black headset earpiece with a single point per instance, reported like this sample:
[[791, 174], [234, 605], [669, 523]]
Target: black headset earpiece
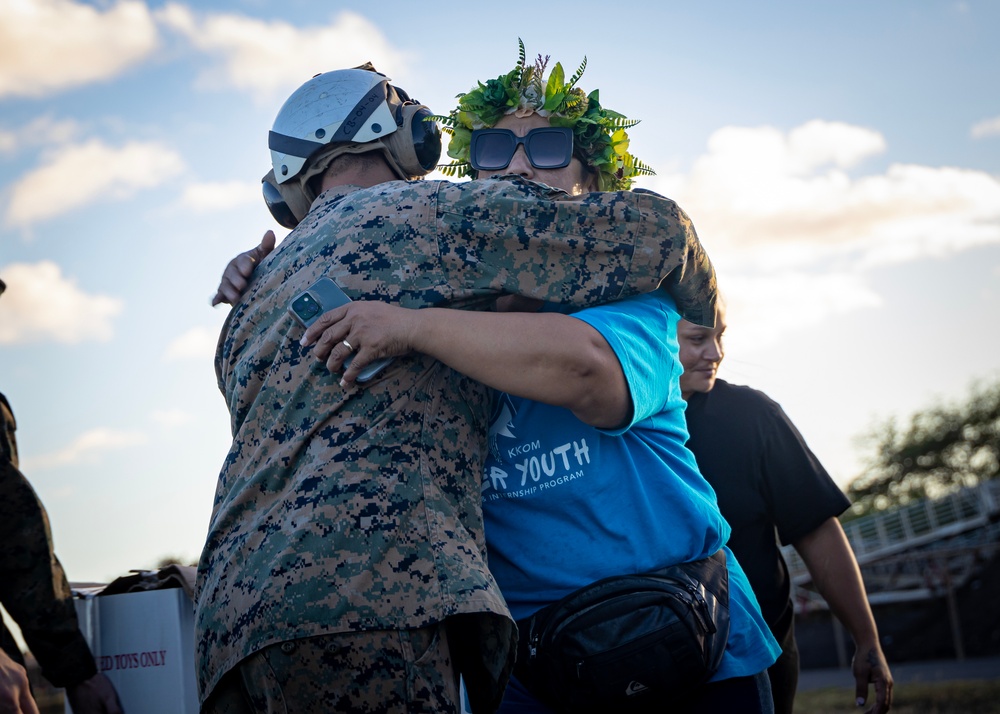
[[277, 205], [426, 136], [287, 202], [415, 146]]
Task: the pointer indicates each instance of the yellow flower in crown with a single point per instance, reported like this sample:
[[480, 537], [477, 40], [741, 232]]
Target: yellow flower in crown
[[600, 137]]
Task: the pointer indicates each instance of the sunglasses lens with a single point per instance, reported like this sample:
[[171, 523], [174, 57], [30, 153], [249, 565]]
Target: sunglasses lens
[[492, 151], [549, 149]]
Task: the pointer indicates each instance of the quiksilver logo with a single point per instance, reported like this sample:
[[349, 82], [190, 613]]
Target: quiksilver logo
[[635, 687]]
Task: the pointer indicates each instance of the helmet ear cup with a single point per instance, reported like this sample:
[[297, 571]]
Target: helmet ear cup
[[416, 145], [286, 201]]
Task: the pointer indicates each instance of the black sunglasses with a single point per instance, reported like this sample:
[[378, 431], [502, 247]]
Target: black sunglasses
[[549, 147]]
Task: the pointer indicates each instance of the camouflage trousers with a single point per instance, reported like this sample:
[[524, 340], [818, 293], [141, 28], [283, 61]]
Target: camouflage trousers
[[391, 671]]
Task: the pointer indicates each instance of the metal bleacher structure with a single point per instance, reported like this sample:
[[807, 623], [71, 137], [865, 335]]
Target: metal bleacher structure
[[920, 551]]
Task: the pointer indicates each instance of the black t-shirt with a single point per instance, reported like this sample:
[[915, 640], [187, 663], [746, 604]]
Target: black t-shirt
[[769, 484]]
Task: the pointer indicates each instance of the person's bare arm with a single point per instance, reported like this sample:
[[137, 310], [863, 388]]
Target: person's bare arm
[[236, 276], [548, 357], [15, 696], [828, 556], [96, 695]]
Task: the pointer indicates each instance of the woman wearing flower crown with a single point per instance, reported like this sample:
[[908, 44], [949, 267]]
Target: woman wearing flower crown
[[588, 475]]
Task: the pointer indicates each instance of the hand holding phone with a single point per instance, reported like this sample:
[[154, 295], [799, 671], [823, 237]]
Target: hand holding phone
[[322, 296]]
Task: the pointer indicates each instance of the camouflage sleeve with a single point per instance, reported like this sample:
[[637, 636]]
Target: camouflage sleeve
[[520, 237], [33, 586], [692, 284]]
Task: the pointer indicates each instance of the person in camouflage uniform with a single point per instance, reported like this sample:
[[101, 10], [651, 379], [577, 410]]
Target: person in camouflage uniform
[[35, 593], [347, 521]]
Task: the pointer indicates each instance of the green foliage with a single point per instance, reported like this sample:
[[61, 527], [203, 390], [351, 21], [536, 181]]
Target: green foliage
[[944, 448]]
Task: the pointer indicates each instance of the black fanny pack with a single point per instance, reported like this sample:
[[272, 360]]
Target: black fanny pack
[[628, 643]]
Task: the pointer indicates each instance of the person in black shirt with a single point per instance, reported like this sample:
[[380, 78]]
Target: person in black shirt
[[770, 486]]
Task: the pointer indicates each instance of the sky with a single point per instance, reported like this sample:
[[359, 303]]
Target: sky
[[840, 161]]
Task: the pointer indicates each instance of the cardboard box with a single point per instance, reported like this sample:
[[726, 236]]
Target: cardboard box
[[144, 642]]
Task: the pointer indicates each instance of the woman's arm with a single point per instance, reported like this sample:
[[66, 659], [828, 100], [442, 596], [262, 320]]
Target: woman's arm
[[548, 357]]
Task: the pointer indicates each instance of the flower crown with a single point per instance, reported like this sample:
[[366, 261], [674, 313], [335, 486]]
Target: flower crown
[[600, 139]]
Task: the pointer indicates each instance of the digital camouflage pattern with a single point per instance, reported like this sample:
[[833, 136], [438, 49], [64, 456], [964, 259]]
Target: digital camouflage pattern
[[346, 510], [33, 586], [385, 671]]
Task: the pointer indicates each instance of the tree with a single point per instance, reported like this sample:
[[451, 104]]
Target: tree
[[945, 447]]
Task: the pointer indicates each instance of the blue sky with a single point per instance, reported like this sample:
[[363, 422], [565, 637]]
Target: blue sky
[[840, 160]]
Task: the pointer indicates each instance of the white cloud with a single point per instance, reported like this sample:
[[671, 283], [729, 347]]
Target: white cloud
[[273, 58], [50, 45], [220, 196], [763, 308], [196, 343], [88, 447], [793, 224], [43, 131], [171, 417], [110, 172], [818, 143], [41, 305], [759, 187], [985, 128]]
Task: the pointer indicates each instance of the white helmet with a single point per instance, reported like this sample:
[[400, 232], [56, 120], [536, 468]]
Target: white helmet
[[358, 110]]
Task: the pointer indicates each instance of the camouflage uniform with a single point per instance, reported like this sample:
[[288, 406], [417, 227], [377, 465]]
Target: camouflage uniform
[[33, 587], [349, 510]]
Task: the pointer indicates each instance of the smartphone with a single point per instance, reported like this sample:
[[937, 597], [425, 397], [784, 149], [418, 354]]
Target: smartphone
[[324, 295]]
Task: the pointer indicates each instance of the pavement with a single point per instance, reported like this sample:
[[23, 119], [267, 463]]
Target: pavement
[[945, 670]]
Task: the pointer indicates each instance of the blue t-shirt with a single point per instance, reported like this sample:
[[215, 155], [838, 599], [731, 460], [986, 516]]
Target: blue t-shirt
[[566, 504]]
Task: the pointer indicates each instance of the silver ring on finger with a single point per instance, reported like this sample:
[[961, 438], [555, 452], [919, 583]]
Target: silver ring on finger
[[348, 346]]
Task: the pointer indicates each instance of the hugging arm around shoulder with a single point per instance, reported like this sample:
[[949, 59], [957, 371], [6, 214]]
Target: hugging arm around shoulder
[[547, 357], [523, 238]]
